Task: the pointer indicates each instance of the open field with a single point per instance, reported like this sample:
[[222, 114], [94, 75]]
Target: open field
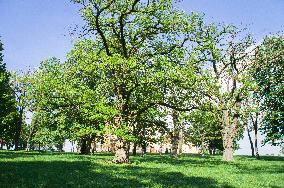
[[35, 169]]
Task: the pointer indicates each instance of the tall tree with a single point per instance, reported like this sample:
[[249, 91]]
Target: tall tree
[[269, 77], [231, 52], [8, 112], [21, 87], [141, 51], [252, 117]]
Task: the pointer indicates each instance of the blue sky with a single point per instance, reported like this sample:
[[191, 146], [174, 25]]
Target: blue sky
[[33, 30]]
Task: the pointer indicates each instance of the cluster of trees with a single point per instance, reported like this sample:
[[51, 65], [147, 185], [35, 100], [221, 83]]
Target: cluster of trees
[[139, 63]]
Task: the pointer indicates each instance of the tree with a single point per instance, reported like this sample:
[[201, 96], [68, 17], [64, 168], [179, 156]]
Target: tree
[[268, 74], [231, 53], [252, 116], [8, 111], [21, 87], [142, 51], [205, 130]]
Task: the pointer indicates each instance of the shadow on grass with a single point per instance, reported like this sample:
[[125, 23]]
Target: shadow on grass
[[91, 174], [196, 160], [23, 153], [41, 169], [271, 158]]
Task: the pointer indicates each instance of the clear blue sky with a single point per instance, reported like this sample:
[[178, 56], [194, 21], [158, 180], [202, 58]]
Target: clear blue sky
[[33, 30]]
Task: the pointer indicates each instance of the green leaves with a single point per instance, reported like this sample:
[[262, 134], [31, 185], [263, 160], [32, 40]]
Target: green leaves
[[268, 74], [8, 110]]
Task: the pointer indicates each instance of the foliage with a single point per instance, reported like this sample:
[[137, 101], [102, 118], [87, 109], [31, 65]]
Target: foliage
[[269, 77], [21, 86], [8, 111], [205, 130], [230, 54], [145, 57]]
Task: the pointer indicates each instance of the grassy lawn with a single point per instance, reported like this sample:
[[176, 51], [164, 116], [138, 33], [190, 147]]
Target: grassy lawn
[[34, 169]]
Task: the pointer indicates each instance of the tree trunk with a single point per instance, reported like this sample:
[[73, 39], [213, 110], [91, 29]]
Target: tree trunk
[[175, 134], [144, 148], [18, 130], [121, 152], [94, 145], [85, 146], [255, 145], [214, 151], [228, 137], [1, 144], [210, 151], [203, 148], [255, 140], [255, 128], [180, 142], [60, 147], [250, 141], [134, 149], [228, 154], [174, 146], [143, 143], [31, 133]]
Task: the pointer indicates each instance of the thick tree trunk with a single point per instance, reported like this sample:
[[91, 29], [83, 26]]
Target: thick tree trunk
[[174, 146], [250, 141], [180, 142], [228, 136], [228, 154], [85, 146], [121, 152], [175, 134]]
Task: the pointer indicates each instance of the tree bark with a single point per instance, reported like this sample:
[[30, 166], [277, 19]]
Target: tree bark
[[250, 141], [121, 152], [180, 142], [175, 134], [31, 133], [85, 146], [134, 149], [18, 130], [144, 148], [228, 137], [174, 145], [256, 138], [228, 154], [255, 145]]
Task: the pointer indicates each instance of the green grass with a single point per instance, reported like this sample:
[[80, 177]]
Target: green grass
[[35, 169]]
